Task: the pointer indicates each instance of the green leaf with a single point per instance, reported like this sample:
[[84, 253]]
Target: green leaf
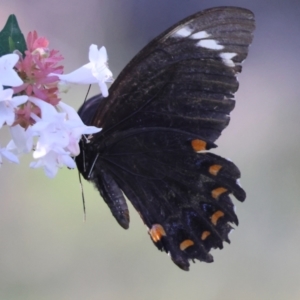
[[11, 37]]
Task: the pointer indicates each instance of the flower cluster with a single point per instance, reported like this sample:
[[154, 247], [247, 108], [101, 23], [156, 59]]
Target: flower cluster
[[31, 107]]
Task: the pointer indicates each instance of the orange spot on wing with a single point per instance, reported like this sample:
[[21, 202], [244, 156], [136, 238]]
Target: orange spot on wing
[[185, 244], [214, 169], [217, 192], [198, 145], [157, 232], [204, 235], [216, 216]]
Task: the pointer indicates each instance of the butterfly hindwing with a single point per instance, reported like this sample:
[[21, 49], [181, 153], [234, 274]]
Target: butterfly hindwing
[[163, 112]]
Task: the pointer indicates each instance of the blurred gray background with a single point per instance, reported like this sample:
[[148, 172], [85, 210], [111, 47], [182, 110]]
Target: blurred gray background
[[48, 252]]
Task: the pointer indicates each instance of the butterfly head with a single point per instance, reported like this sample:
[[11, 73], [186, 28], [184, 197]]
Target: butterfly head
[[87, 147]]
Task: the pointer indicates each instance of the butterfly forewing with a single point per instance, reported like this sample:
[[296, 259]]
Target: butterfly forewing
[[165, 109]]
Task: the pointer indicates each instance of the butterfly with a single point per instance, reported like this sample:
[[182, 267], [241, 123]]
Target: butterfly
[[163, 113]]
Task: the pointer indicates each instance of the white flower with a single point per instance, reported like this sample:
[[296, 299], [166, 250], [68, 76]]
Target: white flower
[[54, 160], [8, 76], [77, 128], [75, 121], [50, 129], [8, 105], [96, 71], [58, 136]]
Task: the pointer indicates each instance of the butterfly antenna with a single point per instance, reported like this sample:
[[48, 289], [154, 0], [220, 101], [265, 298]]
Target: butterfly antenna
[[92, 167], [87, 93], [82, 196], [83, 155]]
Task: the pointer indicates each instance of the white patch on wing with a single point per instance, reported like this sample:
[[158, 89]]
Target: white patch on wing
[[199, 35], [232, 229], [234, 208], [227, 58], [183, 32], [238, 182], [210, 44]]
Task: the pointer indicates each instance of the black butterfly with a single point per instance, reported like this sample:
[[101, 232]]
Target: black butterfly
[[165, 109]]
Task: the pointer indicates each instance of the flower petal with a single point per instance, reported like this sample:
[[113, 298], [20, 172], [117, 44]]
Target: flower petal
[[103, 55], [93, 53], [6, 94], [9, 155], [83, 75], [22, 140], [96, 71], [103, 88], [8, 76], [18, 100]]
